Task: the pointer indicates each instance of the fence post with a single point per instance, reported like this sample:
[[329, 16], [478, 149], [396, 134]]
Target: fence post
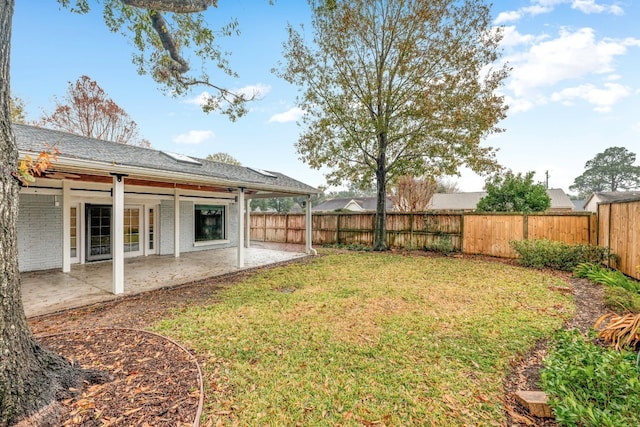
[[525, 226], [462, 232]]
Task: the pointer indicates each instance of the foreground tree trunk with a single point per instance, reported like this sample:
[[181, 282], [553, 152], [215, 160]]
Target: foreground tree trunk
[[380, 232], [31, 377]]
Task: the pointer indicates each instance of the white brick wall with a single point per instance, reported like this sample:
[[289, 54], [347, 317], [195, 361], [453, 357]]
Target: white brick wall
[[39, 233]]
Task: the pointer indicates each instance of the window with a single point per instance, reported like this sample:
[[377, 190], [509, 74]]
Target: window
[[209, 223], [73, 232]]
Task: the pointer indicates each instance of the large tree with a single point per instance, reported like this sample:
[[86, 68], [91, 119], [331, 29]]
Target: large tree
[[396, 87], [32, 377], [514, 193], [611, 170], [87, 110]]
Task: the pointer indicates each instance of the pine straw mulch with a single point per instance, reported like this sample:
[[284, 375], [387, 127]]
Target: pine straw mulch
[[147, 390]]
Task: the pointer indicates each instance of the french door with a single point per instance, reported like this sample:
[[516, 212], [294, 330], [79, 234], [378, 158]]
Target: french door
[[99, 228]]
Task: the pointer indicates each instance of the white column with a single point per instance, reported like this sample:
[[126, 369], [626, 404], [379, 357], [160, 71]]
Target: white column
[[247, 240], [66, 227], [176, 223], [117, 234], [240, 262], [308, 230]]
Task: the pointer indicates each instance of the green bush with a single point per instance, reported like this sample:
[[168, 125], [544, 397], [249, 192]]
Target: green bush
[[622, 300], [444, 245], [545, 253], [606, 276], [589, 385]]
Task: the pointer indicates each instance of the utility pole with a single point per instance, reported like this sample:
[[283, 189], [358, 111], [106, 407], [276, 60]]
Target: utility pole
[[547, 179]]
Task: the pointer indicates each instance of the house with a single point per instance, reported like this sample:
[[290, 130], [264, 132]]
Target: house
[[106, 201], [592, 201], [467, 202], [351, 204]]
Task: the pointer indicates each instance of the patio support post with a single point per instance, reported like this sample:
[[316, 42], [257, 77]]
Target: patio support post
[[247, 240], [176, 223], [308, 232], [240, 262], [66, 226], [117, 234]]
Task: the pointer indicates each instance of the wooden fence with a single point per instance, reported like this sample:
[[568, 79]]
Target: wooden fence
[[619, 229], [485, 234]]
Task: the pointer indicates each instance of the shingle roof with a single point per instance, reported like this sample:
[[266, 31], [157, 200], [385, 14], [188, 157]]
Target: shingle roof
[[366, 203], [616, 196], [34, 139], [469, 201]]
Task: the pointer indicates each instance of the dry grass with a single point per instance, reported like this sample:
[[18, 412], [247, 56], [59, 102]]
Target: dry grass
[[369, 339]]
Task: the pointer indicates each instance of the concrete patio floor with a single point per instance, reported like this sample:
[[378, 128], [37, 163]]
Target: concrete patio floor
[[48, 291]]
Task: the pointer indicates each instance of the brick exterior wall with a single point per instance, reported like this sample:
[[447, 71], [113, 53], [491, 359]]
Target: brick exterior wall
[[39, 233]]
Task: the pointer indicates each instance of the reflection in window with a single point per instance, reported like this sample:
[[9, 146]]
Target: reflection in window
[[209, 223]]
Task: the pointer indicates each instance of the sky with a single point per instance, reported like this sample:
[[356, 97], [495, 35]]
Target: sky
[[574, 88]]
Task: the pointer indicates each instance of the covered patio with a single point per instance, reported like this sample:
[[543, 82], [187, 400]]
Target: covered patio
[[48, 291]]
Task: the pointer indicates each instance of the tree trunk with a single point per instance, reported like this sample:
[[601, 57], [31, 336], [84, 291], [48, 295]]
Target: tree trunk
[[380, 232], [31, 377]]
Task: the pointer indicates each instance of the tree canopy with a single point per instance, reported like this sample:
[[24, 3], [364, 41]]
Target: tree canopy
[[514, 193], [223, 158], [18, 113], [396, 87], [611, 170], [87, 110]]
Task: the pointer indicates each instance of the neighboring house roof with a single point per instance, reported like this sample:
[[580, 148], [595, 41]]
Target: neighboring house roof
[[354, 204], [578, 204], [614, 196], [456, 201], [609, 197], [106, 155], [469, 201], [559, 199]]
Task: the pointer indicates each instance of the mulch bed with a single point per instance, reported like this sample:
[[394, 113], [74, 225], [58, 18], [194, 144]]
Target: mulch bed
[[155, 382], [525, 373]]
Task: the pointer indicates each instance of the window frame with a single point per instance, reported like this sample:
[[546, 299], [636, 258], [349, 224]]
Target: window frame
[[225, 223]]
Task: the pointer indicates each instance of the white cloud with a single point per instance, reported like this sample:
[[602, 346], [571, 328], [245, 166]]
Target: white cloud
[[258, 90], [636, 127], [194, 137], [288, 116], [572, 55], [602, 99], [511, 37], [510, 16], [199, 100], [539, 7], [590, 6]]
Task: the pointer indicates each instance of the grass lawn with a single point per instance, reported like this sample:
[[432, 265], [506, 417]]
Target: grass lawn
[[368, 339]]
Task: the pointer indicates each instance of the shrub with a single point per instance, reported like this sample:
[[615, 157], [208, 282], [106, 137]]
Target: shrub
[[545, 253], [606, 276], [444, 245], [622, 300], [589, 385]]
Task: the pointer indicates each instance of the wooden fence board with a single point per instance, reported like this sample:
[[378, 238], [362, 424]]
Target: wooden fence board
[[487, 234], [619, 229]]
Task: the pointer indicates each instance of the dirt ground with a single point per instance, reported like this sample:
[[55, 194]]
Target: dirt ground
[[151, 393]]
